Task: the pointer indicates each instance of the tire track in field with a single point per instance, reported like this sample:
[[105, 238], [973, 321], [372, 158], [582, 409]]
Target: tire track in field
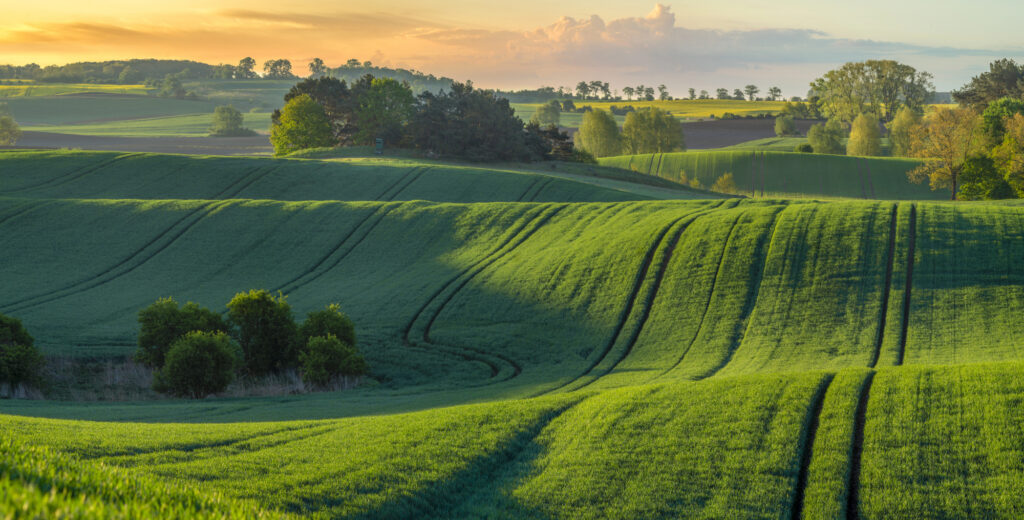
[[132, 262], [73, 175], [396, 185], [534, 225], [639, 280], [808, 434], [540, 188], [648, 301], [191, 447], [423, 170], [707, 305], [748, 308], [871, 184], [853, 492], [529, 188], [909, 284], [314, 272], [480, 473], [25, 206], [888, 286], [514, 240]]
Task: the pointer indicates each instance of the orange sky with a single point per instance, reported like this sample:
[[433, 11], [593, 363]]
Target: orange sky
[[516, 44]]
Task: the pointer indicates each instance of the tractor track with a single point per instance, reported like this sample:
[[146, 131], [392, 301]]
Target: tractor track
[[638, 282], [807, 435], [397, 185], [748, 310], [909, 284], [711, 293], [853, 489], [514, 240], [410, 182], [888, 286], [529, 189], [380, 213], [71, 176], [540, 188]]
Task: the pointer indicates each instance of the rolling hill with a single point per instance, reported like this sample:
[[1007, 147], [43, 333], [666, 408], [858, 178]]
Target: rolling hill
[[542, 346]]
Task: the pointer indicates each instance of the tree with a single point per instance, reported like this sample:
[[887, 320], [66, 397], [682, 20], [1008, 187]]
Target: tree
[[245, 67], [652, 130], [583, 89], [725, 184], [628, 91], [704, 95], [549, 113], [599, 134], [649, 93], [172, 87], [317, 67], [784, 126], [227, 122], [900, 131], [1004, 79], [161, 323], [20, 361], [328, 322], [826, 138], [129, 76], [865, 138], [751, 91], [774, 93], [10, 132], [327, 357], [302, 125], [383, 108], [334, 96], [948, 135], [994, 116], [723, 93], [1009, 155], [198, 364], [693, 94], [878, 87], [663, 93], [277, 69], [264, 327], [738, 95], [980, 180]]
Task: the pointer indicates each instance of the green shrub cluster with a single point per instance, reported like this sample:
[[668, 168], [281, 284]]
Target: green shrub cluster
[[197, 352], [20, 361]]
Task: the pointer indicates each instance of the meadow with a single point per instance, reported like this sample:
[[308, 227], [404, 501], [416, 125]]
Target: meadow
[[697, 109], [543, 344]]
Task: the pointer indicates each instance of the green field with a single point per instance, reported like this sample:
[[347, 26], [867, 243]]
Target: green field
[[681, 108], [560, 343], [785, 174], [195, 125], [58, 89]]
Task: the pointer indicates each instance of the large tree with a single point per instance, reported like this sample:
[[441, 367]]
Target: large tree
[[317, 67], [384, 106], [549, 113], [865, 138], [879, 87], [774, 93], [302, 125], [751, 91], [1004, 79], [628, 91], [652, 130], [245, 67], [277, 69], [599, 134], [950, 136]]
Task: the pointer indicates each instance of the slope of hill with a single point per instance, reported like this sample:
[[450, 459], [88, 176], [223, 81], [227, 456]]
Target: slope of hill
[[780, 174]]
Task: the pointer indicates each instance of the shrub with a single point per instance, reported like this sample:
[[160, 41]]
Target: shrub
[[20, 361], [599, 134], [804, 148], [328, 322], [784, 126], [724, 184], [827, 138], [265, 329], [162, 323], [326, 357], [10, 132], [227, 122], [198, 364]]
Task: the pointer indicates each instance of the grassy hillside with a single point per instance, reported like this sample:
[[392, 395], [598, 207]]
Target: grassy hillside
[[788, 174], [97, 107], [542, 344], [193, 125]]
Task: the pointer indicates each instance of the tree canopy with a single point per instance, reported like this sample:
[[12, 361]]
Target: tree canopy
[[599, 134], [1004, 79], [879, 87], [302, 124], [652, 130]]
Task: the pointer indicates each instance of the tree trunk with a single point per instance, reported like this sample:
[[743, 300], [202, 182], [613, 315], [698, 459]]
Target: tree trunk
[[953, 197]]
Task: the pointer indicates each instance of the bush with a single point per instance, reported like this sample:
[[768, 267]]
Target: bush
[[327, 357], [198, 364], [20, 361], [725, 184], [10, 132], [227, 122], [784, 126], [162, 323], [265, 329], [328, 322], [827, 138], [804, 148]]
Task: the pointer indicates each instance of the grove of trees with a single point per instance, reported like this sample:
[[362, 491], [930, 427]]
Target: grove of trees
[[879, 87]]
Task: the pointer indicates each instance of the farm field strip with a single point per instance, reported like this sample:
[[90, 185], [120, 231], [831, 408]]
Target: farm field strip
[[73, 175], [883, 312], [807, 438]]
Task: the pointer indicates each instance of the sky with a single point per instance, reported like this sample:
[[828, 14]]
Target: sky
[[530, 43]]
